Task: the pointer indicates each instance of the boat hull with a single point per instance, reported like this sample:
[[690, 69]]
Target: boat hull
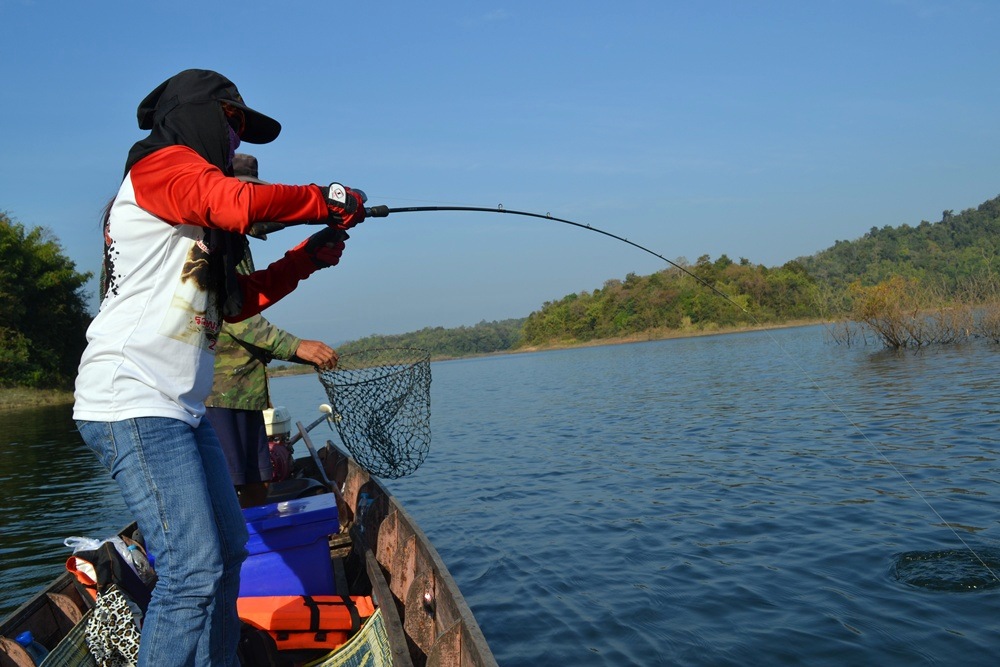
[[380, 550]]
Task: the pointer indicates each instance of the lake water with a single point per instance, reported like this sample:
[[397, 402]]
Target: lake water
[[760, 498]]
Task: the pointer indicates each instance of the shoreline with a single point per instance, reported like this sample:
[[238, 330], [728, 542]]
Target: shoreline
[[644, 337], [666, 334], [19, 398]]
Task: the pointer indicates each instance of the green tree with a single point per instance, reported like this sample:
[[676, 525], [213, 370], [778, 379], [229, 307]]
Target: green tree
[[483, 338], [43, 314]]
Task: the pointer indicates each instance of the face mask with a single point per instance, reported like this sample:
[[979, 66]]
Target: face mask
[[234, 143]]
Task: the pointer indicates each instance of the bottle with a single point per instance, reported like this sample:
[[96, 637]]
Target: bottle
[[34, 649], [364, 502], [140, 562]]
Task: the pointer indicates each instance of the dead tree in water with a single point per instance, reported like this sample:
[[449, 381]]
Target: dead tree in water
[[901, 313]]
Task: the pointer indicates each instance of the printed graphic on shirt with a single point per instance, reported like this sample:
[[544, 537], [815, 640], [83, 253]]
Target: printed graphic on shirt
[[109, 281], [192, 316]]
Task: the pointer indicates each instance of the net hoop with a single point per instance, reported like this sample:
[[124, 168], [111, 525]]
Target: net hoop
[[381, 403]]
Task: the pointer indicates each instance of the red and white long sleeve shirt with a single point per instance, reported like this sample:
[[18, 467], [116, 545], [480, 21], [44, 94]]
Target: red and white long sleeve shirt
[[150, 348]]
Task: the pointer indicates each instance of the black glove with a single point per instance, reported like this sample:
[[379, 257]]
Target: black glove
[[345, 207], [324, 247]]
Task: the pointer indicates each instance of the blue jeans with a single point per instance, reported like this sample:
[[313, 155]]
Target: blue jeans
[[175, 481]]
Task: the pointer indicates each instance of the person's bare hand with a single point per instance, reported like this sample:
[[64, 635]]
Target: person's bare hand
[[317, 353]]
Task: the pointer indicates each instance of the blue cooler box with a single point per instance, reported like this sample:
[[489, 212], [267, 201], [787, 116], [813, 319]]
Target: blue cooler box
[[289, 549]]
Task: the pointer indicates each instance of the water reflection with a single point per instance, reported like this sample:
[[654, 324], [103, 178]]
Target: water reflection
[[53, 488]]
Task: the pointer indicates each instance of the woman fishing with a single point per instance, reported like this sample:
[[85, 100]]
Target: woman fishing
[[172, 239]]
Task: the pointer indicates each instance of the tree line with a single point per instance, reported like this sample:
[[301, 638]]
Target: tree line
[[677, 299], [441, 343], [43, 315]]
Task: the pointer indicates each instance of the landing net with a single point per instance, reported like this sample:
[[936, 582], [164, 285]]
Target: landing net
[[381, 400]]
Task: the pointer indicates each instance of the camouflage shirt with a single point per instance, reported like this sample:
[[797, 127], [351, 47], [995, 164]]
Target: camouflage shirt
[[241, 358]]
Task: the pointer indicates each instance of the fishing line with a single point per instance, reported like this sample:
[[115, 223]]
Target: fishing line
[[383, 211]]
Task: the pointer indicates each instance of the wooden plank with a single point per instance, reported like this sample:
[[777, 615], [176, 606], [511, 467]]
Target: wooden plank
[[448, 651], [390, 615], [66, 611], [449, 607], [49, 615], [421, 606]]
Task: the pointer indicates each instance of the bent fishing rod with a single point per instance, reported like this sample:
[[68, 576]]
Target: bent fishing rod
[[384, 211], [261, 229]]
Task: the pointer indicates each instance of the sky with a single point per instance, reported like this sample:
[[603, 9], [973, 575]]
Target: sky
[[764, 130]]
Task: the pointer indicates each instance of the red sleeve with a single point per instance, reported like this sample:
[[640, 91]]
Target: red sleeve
[[178, 185]]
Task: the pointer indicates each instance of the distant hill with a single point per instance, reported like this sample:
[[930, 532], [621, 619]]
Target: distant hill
[[482, 338], [441, 343]]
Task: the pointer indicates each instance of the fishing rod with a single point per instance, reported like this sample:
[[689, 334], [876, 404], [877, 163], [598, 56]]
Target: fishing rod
[[261, 229], [383, 211]]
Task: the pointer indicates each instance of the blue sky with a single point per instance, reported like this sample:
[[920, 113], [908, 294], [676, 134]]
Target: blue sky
[[765, 130]]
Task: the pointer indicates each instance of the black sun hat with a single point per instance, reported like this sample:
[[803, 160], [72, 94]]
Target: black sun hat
[[245, 169], [195, 86]]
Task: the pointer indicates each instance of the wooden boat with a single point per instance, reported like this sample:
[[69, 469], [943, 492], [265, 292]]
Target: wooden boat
[[383, 553]]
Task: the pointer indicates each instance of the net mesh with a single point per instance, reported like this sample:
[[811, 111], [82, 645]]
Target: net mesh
[[382, 408]]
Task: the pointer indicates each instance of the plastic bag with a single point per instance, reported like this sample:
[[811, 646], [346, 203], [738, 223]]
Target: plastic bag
[[132, 554]]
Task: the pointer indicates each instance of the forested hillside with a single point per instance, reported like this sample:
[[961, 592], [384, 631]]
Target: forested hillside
[[948, 253], [956, 255], [672, 299]]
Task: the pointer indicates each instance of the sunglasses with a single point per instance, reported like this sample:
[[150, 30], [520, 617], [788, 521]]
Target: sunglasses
[[236, 118]]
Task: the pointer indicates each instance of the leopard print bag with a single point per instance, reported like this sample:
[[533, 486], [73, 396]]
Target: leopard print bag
[[120, 599], [113, 631]]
